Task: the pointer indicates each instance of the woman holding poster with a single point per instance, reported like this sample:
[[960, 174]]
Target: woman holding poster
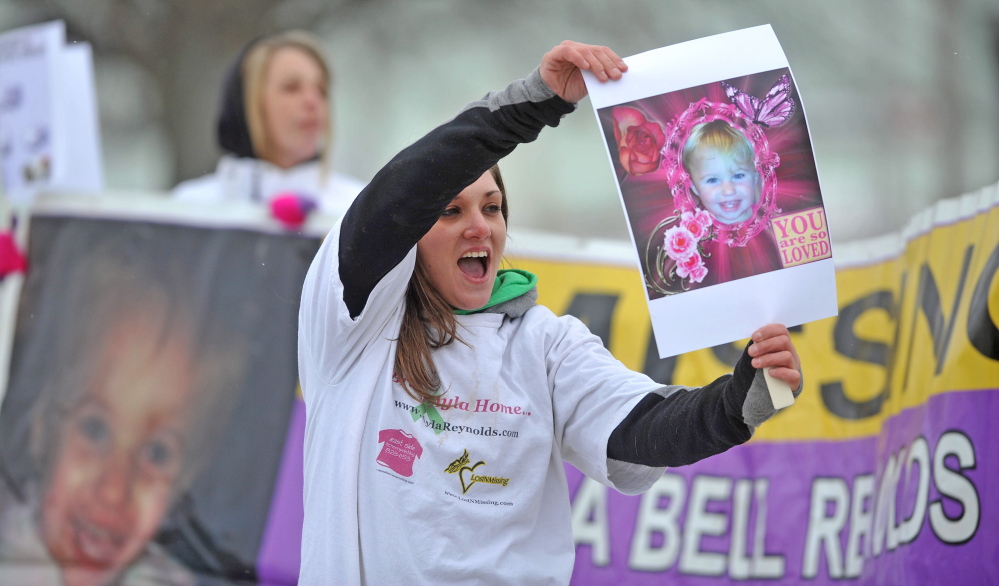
[[442, 401]]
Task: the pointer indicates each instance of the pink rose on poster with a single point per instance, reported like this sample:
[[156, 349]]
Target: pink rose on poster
[[682, 256], [639, 141], [692, 268], [698, 273], [697, 223], [679, 243]]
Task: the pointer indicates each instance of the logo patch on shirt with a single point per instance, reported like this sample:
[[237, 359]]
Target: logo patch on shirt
[[467, 475], [399, 451]]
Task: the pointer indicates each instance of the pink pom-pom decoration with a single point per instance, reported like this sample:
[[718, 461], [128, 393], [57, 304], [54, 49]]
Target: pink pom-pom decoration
[[12, 260], [291, 209]]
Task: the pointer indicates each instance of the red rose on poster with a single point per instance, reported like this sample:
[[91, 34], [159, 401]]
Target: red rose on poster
[[639, 141]]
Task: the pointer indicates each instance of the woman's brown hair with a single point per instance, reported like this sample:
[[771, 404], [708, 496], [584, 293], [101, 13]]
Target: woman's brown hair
[[428, 323]]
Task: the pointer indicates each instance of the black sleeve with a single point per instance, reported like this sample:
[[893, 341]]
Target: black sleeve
[[408, 195], [688, 425]]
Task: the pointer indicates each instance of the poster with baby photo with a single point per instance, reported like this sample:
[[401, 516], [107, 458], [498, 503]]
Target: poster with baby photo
[[718, 181], [713, 160]]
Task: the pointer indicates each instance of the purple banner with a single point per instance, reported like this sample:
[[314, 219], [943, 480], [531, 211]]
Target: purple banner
[[281, 547], [906, 506]]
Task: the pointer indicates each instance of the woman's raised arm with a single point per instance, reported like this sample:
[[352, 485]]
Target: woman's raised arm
[[406, 197]]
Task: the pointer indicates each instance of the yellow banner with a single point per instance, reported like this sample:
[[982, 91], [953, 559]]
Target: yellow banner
[[917, 317]]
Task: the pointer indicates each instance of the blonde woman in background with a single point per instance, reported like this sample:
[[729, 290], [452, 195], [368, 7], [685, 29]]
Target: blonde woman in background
[[274, 124]]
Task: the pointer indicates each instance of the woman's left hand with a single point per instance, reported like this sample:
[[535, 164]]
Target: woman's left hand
[[560, 68], [772, 349]]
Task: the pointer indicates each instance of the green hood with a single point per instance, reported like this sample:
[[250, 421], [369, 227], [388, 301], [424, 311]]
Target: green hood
[[509, 284]]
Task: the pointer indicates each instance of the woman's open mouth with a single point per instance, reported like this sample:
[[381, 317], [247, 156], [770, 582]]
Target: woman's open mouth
[[474, 264]]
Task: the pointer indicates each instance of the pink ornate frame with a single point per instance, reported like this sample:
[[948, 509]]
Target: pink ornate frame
[[766, 162]]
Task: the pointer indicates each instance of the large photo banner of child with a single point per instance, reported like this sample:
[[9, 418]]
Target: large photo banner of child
[[710, 148], [153, 379]]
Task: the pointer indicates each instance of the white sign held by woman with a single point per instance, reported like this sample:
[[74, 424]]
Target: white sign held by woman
[[714, 165], [49, 137]]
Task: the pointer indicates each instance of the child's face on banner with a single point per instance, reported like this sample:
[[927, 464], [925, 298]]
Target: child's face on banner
[[728, 189], [120, 450]]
